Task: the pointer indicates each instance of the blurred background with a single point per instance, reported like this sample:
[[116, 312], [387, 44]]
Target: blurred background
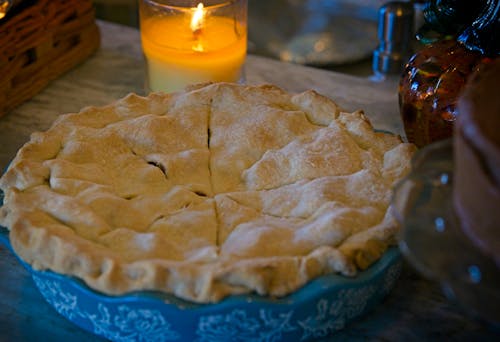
[[338, 35]]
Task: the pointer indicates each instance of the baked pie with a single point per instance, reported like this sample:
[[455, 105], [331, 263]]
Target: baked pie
[[216, 190]]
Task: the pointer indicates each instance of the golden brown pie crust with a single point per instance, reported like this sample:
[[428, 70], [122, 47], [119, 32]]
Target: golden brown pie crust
[[220, 189]]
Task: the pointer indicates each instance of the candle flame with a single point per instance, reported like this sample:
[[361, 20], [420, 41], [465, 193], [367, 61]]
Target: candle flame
[[4, 7], [197, 22], [197, 18]]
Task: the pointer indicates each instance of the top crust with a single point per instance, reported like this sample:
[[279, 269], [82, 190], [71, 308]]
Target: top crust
[[220, 189]]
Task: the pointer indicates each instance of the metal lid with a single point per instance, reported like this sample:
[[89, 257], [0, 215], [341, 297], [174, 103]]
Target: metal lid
[[395, 34]]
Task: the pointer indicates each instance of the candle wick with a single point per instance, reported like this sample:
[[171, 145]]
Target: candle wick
[[197, 33]]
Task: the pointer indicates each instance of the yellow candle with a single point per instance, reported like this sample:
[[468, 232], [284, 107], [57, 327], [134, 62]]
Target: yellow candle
[[181, 49]]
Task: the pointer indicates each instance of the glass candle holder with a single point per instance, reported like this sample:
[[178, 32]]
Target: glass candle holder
[[188, 42]]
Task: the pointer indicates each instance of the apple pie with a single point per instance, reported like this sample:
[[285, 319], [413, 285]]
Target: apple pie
[[217, 190]]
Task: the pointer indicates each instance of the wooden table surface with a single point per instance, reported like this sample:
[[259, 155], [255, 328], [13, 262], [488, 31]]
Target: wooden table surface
[[415, 310]]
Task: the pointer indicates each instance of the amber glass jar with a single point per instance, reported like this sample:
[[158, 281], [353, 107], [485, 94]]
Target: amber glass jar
[[430, 86], [434, 77]]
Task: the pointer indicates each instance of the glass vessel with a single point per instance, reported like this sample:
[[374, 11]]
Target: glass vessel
[[187, 42], [432, 238], [460, 36]]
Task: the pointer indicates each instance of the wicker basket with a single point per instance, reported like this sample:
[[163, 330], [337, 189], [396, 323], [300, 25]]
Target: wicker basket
[[41, 42]]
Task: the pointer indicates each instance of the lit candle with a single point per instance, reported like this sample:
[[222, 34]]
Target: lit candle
[[192, 45]]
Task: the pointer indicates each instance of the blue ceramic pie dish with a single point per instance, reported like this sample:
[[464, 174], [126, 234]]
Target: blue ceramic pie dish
[[320, 308]]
